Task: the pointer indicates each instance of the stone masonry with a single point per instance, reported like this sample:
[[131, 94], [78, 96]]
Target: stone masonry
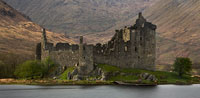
[[130, 47]]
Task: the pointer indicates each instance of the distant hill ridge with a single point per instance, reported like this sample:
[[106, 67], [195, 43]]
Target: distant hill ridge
[[19, 35], [80, 16]]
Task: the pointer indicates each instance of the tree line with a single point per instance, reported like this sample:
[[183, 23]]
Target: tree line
[[9, 62]]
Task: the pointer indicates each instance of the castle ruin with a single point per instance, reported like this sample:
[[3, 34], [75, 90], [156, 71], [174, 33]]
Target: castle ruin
[[130, 47]]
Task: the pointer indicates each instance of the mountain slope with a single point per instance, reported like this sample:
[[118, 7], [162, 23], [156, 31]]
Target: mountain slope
[[179, 25], [18, 35], [80, 16]]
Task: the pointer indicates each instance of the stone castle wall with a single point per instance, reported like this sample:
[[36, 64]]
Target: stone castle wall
[[130, 47], [63, 54]]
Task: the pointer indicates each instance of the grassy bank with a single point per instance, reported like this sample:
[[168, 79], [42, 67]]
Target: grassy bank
[[51, 82], [131, 76]]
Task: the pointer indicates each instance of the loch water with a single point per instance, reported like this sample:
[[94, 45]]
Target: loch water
[[115, 91]]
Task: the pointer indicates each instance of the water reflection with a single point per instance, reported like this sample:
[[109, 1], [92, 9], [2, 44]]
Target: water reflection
[[163, 91]]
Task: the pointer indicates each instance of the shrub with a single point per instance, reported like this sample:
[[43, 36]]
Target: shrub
[[33, 69], [182, 66], [48, 66], [29, 70]]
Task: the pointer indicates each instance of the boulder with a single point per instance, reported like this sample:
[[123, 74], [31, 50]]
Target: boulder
[[99, 71], [54, 78], [78, 77], [149, 77], [144, 75], [75, 78], [103, 77]]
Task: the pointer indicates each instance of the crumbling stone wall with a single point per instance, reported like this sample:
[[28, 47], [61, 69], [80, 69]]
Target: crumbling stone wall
[[63, 54], [131, 47]]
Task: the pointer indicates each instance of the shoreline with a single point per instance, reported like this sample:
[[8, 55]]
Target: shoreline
[[81, 83]]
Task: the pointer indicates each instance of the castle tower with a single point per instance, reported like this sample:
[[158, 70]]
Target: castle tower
[[42, 46], [81, 58], [45, 46], [140, 15], [85, 58], [140, 21], [44, 39]]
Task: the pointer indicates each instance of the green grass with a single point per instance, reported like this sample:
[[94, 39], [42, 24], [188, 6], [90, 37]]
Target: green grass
[[64, 76], [108, 68], [124, 78], [133, 75], [162, 76]]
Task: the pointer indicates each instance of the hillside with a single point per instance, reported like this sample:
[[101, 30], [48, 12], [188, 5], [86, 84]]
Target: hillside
[[80, 16], [179, 28], [19, 35]]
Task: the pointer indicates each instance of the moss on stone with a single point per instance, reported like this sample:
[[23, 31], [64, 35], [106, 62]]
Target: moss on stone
[[64, 76]]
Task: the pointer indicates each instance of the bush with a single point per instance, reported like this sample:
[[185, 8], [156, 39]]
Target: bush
[[182, 66], [34, 69], [48, 66], [29, 70]]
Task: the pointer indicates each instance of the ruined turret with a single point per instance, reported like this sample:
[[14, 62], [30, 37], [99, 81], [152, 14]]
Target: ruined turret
[[81, 51], [86, 64], [140, 15], [46, 47], [44, 39], [140, 21], [40, 47]]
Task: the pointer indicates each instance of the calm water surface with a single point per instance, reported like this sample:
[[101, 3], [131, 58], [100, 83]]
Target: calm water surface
[[163, 91]]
